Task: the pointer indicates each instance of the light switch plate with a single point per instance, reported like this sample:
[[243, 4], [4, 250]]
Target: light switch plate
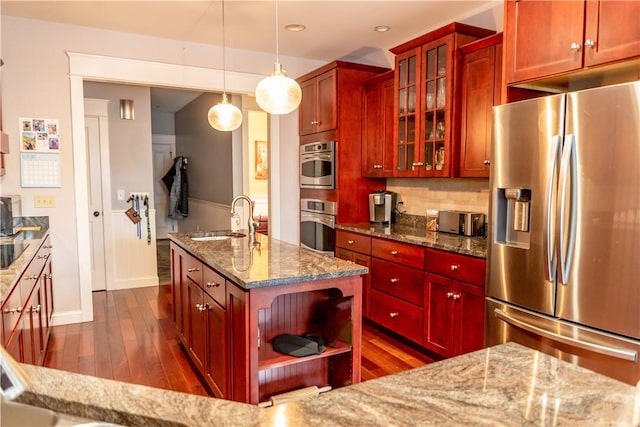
[[120, 194], [45, 201]]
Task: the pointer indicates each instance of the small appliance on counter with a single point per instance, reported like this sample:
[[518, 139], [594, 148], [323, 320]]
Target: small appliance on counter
[[462, 223], [382, 207], [10, 207]]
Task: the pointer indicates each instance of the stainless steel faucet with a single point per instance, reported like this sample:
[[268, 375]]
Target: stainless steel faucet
[[251, 222]]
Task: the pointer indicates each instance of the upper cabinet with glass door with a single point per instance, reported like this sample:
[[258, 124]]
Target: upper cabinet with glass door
[[424, 80]]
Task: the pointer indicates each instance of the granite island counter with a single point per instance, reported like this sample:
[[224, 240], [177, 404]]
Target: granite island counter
[[232, 296], [504, 385]]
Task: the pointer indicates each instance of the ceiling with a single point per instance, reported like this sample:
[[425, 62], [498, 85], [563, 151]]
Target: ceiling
[[334, 29]]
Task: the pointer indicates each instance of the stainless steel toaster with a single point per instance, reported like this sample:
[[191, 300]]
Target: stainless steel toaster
[[463, 223]]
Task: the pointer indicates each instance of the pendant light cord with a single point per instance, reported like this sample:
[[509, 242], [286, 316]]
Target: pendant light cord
[[224, 60], [277, 47]]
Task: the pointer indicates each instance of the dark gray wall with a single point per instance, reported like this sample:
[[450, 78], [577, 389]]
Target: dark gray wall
[[131, 162], [209, 168]]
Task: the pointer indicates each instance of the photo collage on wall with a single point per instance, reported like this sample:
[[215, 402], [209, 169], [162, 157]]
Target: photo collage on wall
[[39, 135], [39, 152]]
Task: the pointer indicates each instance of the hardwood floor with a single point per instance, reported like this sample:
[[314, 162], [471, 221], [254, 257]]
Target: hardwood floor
[[132, 339]]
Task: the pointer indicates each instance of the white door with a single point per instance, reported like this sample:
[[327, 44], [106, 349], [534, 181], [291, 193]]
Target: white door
[[96, 221], [164, 150]]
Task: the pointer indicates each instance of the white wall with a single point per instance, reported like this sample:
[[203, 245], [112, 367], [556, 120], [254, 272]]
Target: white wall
[[36, 83]]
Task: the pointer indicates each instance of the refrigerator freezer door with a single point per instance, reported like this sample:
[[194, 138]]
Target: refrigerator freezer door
[[602, 284], [527, 138], [601, 352]]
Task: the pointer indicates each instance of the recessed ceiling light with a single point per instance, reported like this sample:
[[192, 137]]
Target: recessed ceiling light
[[295, 27], [381, 28]]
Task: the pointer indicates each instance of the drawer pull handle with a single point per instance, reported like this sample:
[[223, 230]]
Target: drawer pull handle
[[449, 294], [394, 253], [13, 310], [454, 267], [455, 297], [213, 285], [201, 307], [394, 280], [351, 242], [35, 309], [393, 314], [191, 270]]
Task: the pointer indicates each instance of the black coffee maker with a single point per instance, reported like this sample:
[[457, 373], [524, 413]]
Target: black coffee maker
[[382, 207]]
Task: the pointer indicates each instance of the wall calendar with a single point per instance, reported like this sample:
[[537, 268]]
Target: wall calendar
[[39, 152]]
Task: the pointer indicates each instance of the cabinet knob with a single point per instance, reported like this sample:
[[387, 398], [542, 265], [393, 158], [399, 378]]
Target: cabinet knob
[[394, 280], [394, 253], [351, 242], [575, 46], [589, 43], [455, 297], [487, 162], [454, 267], [449, 294], [393, 314]]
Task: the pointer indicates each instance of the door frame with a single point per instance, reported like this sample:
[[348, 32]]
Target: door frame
[[132, 71], [164, 140], [99, 108]]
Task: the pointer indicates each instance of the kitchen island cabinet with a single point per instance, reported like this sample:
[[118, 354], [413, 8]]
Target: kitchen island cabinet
[[544, 38], [236, 296], [503, 385]]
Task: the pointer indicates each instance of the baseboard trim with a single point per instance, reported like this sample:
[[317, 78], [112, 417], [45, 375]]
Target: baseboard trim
[[141, 282], [66, 317]]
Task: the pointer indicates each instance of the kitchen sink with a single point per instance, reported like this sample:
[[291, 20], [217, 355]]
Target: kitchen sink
[[201, 236], [20, 414]]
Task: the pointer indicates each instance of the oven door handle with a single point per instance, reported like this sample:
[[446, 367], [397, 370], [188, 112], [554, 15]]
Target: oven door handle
[[327, 220], [306, 158]]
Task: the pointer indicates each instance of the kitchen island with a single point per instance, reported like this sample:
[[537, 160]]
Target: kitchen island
[[233, 294], [503, 385]]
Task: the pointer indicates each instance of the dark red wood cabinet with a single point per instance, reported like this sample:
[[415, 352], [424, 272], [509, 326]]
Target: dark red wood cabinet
[[454, 303], [377, 126], [547, 38], [333, 111], [479, 89]]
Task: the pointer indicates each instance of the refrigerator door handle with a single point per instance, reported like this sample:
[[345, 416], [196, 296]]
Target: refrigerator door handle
[[618, 353], [550, 260], [566, 240]]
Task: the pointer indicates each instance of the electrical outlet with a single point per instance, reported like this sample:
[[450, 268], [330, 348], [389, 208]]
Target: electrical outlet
[[45, 201]]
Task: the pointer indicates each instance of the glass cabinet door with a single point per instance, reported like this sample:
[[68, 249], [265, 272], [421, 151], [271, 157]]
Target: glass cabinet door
[[437, 98], [407, 92]]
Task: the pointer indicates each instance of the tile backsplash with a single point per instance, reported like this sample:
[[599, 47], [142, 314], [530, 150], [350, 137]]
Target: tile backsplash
[[463, 194]]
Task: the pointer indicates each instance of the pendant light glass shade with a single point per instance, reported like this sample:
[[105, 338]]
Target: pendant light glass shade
[[278, 94], [225, 116]]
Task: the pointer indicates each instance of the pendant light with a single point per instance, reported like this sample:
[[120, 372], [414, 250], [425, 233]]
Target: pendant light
[[224, 116], [278, 94]]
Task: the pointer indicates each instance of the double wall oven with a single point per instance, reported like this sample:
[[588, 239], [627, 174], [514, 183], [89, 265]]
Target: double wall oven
[[317, 165], [317, 225]]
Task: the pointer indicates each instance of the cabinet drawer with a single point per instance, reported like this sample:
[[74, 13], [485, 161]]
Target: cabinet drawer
[[214, 285], [403, 282], [401, 253], [353, 241], [455, 266], [192, 268], [397, 315], [11, 312]]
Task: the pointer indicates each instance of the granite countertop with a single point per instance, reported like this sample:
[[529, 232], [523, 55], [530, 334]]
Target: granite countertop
[[266, 261], [33, 239], [503, 385], [418, 235]]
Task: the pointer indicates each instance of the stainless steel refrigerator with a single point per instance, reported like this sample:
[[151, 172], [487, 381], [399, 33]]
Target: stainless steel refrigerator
[[564, 250]]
